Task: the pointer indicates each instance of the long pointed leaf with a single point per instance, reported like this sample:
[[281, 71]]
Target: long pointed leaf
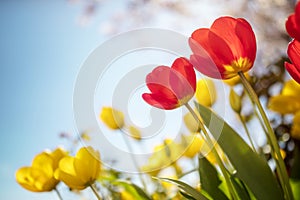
[[187, 189], [209, 179], [251, 168]]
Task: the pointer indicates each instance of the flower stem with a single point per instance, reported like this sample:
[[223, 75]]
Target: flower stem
[[281, 169], [214, 151], [58, 194], [95, 191], [135, 162], [247, 132]]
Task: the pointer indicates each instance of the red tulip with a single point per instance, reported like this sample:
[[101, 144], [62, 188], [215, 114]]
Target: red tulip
[[292, 24], [294, 55], [225, 49], [171, 87]]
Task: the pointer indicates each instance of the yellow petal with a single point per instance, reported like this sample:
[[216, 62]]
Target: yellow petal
[[235, 101], [44, 162], [295, 132], [284, 104], [191, 123], [87, 164], [206, 92], [193, 144], [291, 88], [236, 79], [112, 118], [57, 155], [135, 133]]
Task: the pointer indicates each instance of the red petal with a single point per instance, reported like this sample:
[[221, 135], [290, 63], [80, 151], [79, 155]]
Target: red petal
[[293, 71], [292, 24], [238, 35], [294, 55], [200, 45], [183, 78], [158, 81], [294, 52], [205, 66], [160, 101]]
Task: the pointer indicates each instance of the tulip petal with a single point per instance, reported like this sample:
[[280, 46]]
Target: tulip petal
[[185, 68], [86, 165], [284, 104], [160, 101], [293, 23], [294, 55]]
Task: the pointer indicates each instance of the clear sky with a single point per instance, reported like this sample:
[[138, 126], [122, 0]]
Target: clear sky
[[41, 49]]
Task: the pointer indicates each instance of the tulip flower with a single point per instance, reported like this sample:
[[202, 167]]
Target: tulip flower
[[288, 101], [112, 118], [206, 92], [292, 24], [80, 171], [225, 49], [294, 55], [39, 177], [171, 87]]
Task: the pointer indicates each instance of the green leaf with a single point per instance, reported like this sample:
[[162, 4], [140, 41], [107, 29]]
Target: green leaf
[[295, 184], [185, 195], [133, 189], [241, 190], [250, 167], [209, 179], [190, 191]]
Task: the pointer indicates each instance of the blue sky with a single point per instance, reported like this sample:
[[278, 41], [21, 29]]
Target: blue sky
[[41, 49]]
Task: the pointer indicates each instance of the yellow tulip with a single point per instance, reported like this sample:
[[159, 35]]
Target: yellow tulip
[[288, 101], [80, 171], [112, 118], [295, 132], [191, 123], [163, 156], [193, 144], [206, 92], [39, 177], [135, 133]]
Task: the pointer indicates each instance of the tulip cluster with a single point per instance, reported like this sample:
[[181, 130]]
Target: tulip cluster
[[49, 168], [229, 166]]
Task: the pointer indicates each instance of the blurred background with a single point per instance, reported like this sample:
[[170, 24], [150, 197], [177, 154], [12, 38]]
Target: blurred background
[[44, 43]]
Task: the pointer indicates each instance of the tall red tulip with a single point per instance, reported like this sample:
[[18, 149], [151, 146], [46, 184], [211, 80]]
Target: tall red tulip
[[292, 24], [294, 55], [224, 49], [171, 87]]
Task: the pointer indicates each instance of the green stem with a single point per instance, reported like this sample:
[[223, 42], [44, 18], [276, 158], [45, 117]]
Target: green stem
[[186, 173], [247, 132], [281, 169], [95, 192], [135, 162], [58, 194], [214, 151]]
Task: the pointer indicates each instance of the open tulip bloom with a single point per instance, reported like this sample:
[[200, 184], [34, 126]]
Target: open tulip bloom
[[224, 49]]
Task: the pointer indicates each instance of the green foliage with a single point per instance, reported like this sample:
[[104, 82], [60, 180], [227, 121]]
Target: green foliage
[[209, 179], [250, 167], [190, 191], [133, 189]]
